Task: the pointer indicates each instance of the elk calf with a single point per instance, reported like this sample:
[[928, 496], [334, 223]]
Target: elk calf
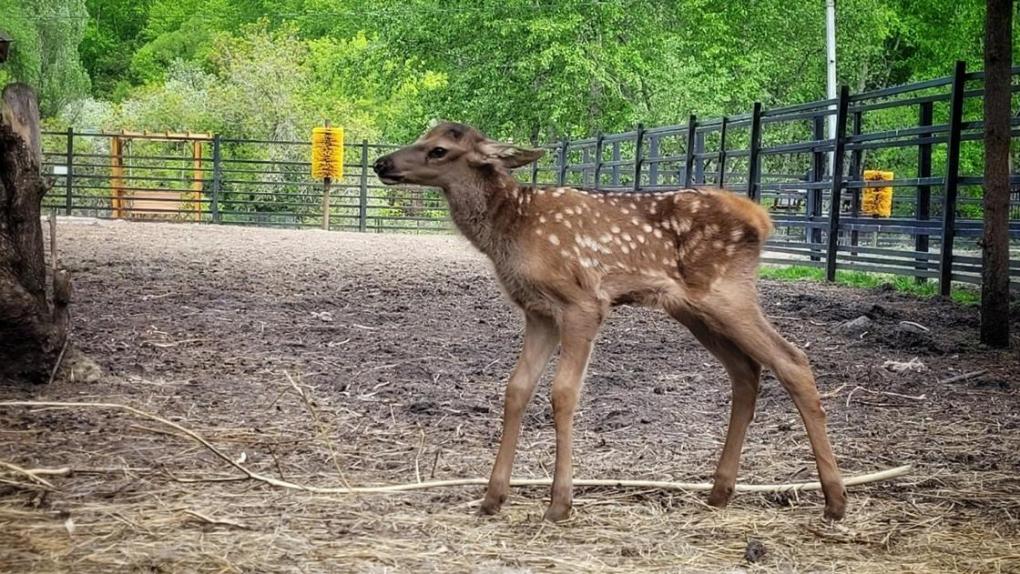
[[566, 256]]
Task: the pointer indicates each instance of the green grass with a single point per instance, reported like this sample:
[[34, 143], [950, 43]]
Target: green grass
[[859, 279]]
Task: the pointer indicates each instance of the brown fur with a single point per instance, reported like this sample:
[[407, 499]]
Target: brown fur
[[565, 256]]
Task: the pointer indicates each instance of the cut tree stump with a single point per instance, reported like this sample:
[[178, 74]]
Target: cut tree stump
[[33, 327]]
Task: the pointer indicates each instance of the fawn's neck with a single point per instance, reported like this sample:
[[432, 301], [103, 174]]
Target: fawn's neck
[[485, 211]]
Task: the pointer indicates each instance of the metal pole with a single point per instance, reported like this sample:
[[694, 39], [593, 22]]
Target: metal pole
[[856, 174], [754, 155], [69, 164], [952, 179], [363, 198], [692, 130], [561, 178], [616, 164], [837, 184], [217, 182], [720, 178], [923, 208], [830, 57], [814, 195], [598, 161], [653, 166], [638, 150]]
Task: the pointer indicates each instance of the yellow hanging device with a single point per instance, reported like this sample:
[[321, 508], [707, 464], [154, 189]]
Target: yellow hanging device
[[327, 153], [877, 200]]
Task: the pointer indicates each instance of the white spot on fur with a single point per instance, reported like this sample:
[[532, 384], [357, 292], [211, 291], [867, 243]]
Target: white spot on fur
[[736, 234], [657, 233], [542, 219], [558, 216], [615, 228], [625, 211], [626, 236], [641, 238], [625, 249], [553, 239], [646, 228], [635, 221]]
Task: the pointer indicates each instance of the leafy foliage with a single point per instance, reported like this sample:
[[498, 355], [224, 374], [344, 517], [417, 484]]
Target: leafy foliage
[[527, 69]]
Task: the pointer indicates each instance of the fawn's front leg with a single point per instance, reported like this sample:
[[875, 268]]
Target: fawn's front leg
[[578, 329], [540, 339]]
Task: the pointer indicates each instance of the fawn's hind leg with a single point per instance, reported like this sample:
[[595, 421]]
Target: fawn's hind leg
[[745, 374], [731, 313]]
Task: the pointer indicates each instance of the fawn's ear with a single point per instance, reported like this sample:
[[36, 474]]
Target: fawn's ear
[[508, 155]]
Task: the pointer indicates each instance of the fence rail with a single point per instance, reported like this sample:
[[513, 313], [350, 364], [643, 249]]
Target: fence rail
[[929, 134]]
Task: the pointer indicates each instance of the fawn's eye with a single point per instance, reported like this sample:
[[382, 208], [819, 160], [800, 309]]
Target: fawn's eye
[[437, 152]]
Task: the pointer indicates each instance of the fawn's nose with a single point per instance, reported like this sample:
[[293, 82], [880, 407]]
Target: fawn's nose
[[383, 165]]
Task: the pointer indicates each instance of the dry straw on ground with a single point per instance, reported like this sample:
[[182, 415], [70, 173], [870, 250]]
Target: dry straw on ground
[[400, 382]]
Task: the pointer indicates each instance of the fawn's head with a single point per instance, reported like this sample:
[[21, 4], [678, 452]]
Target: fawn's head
[[451, 153]]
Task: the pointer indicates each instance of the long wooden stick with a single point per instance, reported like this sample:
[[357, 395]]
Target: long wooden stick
[[621, 483]]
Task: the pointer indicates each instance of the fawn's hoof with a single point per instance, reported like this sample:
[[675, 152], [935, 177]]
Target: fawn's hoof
[[557, 513], [491, 506], [835, 510], [720, 496]]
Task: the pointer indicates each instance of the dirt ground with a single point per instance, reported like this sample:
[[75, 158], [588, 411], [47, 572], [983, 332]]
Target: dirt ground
[[398, 348]]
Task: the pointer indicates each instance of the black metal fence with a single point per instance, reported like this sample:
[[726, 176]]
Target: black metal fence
[[928, 134], [215, 179]]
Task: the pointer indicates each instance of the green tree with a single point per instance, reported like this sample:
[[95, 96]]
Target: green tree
[[46, 35]]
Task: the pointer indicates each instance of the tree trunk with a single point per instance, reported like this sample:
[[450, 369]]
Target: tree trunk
[[995, 244], [33, 333]]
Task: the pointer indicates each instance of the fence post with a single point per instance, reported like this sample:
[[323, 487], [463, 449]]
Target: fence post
[[69, 164], [653, 166], [835, 199], [616, 164], [561, 177], [638, 150], [692, 130], [363, 194], [699, 162], [598, 161], [923, 205], [856, 174], [951, 181], [814, 196], [754, 155], [721, 176], [217, 181]]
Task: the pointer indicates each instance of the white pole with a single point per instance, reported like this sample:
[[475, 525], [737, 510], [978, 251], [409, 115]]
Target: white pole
[[830, 56]]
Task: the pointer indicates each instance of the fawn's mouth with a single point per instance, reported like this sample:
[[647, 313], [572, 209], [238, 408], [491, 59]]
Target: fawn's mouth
[[391, 179]]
